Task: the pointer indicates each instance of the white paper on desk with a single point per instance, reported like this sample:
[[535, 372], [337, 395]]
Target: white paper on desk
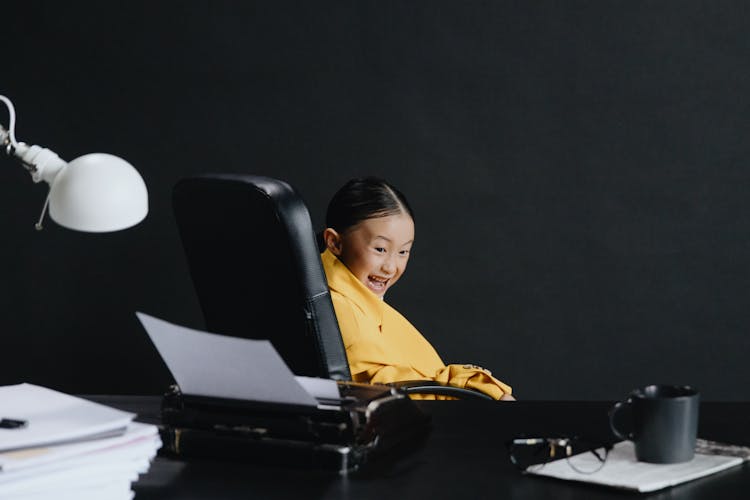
[[96, 470], [75, 469], [622, 470], [54, 417], [110, 491], [138, 441], [82, 476], [207, 364]]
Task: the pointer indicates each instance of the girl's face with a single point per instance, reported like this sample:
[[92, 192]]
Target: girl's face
[[376, 250]]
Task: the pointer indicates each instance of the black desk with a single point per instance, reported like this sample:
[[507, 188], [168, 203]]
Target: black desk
[[464, 457]]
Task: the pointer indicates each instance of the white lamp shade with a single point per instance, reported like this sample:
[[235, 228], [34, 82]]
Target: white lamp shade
[[98, 192]]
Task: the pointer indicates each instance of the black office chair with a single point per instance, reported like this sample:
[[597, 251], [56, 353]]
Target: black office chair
[[257, 272]]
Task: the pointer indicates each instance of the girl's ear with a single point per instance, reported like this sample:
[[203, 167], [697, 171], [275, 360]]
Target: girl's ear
[[333, 241]]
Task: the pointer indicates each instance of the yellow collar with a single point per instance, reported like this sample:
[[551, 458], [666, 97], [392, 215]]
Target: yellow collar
[[341, 280]]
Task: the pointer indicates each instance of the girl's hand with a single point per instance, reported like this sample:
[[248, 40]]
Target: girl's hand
[[507, 397]]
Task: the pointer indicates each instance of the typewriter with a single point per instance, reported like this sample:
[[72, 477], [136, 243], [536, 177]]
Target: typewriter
[[242, 402], [342, 435]]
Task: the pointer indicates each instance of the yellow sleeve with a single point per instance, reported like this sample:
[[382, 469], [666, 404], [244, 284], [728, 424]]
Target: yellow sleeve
[[472, 377], [476, 379]]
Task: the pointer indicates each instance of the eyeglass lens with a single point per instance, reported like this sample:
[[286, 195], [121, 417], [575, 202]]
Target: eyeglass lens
[[532, 454]]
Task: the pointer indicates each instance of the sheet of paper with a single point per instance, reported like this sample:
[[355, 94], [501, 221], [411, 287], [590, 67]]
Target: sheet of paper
[[53, 417], [622, 470], [320, 388], [139, 440], [94, 471], [102, 492], [207, 364], [87, 476], [120, 463]]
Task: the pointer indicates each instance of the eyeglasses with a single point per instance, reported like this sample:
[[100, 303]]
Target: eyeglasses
[[531, 454]]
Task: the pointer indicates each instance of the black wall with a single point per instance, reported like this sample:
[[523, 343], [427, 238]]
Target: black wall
[[578, 171]]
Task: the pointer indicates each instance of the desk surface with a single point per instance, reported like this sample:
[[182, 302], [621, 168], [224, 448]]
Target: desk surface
[[463, 457]]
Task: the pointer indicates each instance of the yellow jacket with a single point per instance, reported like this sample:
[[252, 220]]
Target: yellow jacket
[[382, 346]]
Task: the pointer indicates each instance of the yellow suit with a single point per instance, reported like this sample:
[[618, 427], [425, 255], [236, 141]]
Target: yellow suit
[[382, 346]]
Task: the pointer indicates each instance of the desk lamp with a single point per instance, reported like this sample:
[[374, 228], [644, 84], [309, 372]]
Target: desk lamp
[[96, 192]]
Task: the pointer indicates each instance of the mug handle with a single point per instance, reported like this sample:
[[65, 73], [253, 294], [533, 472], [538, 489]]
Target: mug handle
[[612, 412]]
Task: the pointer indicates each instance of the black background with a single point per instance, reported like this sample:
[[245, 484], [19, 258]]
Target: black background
[[578, 171]]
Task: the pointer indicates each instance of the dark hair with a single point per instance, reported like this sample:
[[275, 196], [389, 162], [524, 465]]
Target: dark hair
[[364, 198]]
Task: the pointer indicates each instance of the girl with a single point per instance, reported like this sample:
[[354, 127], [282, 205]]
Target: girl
[[369, 234]]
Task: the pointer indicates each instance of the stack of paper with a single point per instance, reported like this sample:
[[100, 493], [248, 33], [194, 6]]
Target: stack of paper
[[53, 445]]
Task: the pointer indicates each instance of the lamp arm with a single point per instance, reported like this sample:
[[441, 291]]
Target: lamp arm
[[42, 163], [9, 136]]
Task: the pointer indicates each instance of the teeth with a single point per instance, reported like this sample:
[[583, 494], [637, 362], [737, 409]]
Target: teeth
[[377, 282]]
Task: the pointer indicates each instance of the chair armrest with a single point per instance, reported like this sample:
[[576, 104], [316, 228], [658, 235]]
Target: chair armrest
[[432, 387]]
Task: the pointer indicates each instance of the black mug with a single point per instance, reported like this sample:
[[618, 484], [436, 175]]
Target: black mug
[[664, 423]]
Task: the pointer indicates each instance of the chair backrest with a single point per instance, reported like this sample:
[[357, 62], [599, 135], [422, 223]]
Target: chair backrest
[[256, 269]]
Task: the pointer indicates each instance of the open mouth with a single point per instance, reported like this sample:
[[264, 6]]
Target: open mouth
[[377, 284]]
